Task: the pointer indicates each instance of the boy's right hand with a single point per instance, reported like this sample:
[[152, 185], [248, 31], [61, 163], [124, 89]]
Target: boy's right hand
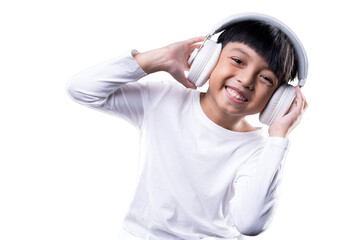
[[172, 59]]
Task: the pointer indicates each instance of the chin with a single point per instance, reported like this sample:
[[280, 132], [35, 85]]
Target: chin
[[233, 112]]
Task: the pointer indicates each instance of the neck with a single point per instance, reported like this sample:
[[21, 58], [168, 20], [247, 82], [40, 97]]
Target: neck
[[235, 123]]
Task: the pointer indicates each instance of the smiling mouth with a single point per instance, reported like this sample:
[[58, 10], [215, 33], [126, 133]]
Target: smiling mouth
[[235, 94]]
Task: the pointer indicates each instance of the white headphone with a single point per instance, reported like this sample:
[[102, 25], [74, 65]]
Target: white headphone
[[204, 59]]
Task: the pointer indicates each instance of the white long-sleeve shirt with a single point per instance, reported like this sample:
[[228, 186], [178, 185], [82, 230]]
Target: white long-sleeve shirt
[[199, 180]]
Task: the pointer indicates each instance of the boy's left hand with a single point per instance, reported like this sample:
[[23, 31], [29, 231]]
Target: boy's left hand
[[291, 119]]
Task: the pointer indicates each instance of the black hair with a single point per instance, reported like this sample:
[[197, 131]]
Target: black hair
[[269, 42]]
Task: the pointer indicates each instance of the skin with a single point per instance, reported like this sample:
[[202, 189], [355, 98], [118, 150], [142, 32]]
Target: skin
[[239, 68]]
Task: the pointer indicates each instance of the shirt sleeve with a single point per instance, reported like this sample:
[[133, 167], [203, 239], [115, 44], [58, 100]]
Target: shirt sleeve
[[255, 188], [112, 86]]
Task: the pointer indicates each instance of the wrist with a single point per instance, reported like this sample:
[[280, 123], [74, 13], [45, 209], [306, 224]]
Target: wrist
[[277, 132]]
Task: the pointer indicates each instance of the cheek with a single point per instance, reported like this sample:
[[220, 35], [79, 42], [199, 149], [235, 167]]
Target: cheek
[[263, 96], [263, 104], [220, 74], [215, 79]]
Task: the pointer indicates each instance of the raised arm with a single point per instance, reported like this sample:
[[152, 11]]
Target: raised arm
[[110, 85], [257, 183]]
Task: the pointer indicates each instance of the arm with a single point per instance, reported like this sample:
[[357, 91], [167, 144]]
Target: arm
[[93, 85], [256, 184], [255, 188], [106, 86]]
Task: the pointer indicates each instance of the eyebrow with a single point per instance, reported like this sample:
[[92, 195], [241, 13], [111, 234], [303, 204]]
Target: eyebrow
[[247, 55], [241, 51]]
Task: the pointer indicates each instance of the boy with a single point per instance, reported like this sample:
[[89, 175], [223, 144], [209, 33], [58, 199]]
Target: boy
[[208, 173]]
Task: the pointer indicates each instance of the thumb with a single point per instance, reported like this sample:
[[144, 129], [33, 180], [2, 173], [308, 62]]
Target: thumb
[[181, 78], [187, 83]]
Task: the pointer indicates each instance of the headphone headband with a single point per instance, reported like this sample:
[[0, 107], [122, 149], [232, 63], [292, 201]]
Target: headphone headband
[[299, 49]]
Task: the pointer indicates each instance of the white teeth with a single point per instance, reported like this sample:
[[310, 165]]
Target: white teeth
[[235, 94]]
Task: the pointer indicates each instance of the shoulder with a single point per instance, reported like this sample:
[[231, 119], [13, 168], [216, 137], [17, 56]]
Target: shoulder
[[164, 94]]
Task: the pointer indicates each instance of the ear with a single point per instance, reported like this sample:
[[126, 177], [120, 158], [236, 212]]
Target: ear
[[204, 62]]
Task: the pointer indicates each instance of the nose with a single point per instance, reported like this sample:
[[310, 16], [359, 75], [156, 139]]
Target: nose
[[246, 79]]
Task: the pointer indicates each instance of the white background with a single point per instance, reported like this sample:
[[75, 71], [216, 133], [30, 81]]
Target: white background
[[68, 172]]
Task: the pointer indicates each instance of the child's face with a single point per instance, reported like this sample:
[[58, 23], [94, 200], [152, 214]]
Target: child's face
[[241, 83]]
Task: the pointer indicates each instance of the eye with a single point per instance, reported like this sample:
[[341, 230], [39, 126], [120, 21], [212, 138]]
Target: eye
[[237, 61], [267, 79]]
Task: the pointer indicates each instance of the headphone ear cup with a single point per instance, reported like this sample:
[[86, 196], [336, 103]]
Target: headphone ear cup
[[278, 105], [204, 63]]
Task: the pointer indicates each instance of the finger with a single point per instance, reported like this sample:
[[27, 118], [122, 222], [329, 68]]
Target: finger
[[292, 106], [304, 105], [298, 93], [296, 104], [305, 102], [189, 84], [192, 47], [194, 40], [181, 78], [191, 50], [299, 98]]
